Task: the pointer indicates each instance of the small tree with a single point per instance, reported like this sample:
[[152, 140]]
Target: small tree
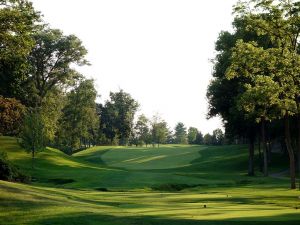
[[33, 133]]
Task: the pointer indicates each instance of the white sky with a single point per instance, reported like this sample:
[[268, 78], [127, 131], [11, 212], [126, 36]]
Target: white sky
[[157, 50]]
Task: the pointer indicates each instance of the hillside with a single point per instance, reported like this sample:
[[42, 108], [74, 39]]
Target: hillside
[[119, 185]]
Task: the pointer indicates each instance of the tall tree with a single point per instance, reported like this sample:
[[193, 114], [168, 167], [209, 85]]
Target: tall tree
[[207, 139], [119, 115], [217, 137], [51, 113], [18, 21], [199, 138], [142, 129], [50, 61], [222, 94], [277, 67], [79, 122], [159, 130], [180, 134], [192, 135]]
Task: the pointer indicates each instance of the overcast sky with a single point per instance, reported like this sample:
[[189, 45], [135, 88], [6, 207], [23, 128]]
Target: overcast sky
[[157, 50]]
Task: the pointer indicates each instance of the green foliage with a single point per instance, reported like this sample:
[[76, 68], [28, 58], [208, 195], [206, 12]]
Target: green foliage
[[11, 116], [67, 184], [142, 130], [208, 139], [18, 21], [218, 137], [117, 117], [9, 172], [180, 134], [192, 135], [51, 60], [51, 112], [159, 130], [32, 135], [79, 122], [199, 138]]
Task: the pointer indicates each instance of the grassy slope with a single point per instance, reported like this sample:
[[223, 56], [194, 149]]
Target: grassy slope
[[219, 173]]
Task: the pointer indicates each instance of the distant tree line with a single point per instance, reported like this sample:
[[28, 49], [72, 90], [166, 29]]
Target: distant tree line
[[256, 85]]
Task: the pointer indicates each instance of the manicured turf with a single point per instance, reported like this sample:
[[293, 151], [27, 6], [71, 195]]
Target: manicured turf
[[130, 186]]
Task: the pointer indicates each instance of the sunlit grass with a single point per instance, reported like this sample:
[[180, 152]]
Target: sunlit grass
[[215, 177]]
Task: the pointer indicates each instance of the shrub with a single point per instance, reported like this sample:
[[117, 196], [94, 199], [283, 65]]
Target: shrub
[[9, 172]]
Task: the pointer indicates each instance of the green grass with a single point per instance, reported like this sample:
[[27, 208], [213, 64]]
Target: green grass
[[141, 186]]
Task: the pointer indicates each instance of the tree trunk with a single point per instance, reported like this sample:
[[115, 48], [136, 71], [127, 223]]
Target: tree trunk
[[298, 141], [264, 146], [251, 156], [290, 150], [259, 154], [32, 158]]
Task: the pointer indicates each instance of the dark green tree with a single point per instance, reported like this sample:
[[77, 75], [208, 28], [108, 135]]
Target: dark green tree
[[207, 139], [273, 72], [142, 130], [223, 94], [159, 130], [192, 135], [218, 137], [51, 59], [18, 21], [79, 122], [199, 139], [118, 115], [180, 134]]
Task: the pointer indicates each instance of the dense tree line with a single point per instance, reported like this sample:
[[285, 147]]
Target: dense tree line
[[256, 83]]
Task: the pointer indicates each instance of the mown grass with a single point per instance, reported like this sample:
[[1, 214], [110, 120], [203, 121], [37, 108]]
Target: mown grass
[[128, 186]]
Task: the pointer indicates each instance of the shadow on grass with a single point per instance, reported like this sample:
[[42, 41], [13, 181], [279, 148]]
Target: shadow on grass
[[95, 219]]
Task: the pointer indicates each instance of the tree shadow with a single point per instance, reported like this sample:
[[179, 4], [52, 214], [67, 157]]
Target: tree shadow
[[89, 218]]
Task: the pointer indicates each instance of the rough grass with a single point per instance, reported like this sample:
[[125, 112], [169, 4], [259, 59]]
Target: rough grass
[[130, 186]]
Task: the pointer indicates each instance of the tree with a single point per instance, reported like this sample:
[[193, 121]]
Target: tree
[[222, 94], [180, 134], [159, 130], [142, 129], [50, 61], [207, 139], [217, 137], [51, 113], [273, 71], [199, 139], [118, 115], [18, 21], [192, 135], [79, 122], [11, 116], [170, 137], [33, 139]]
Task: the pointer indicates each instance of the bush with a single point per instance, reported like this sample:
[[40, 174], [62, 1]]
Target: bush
[[9, 172]]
